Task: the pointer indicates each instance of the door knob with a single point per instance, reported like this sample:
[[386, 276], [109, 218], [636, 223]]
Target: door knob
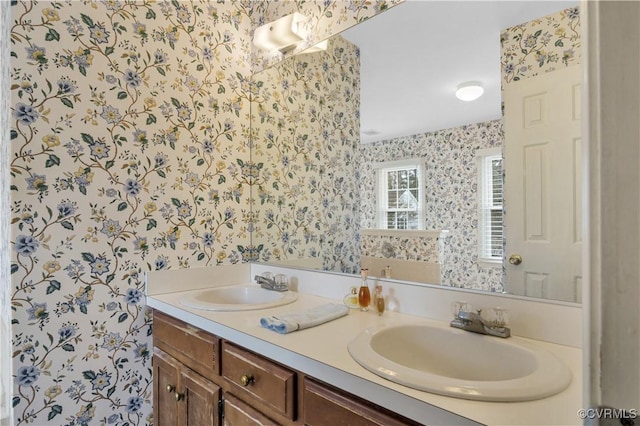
[[515, 259]]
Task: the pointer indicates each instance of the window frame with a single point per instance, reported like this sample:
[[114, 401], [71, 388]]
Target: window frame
[[382, 170], [485, 170]]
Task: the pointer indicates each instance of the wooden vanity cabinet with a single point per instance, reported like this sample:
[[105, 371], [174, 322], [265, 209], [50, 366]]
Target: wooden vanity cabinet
[[202, 380], [180, 395]]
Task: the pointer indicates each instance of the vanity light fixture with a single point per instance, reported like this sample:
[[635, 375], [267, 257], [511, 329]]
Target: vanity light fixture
[[282, 34], [317, 47], [469, 91]]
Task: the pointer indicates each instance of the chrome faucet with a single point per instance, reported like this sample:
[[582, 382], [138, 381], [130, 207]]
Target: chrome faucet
[[473, 321], [270, 284]]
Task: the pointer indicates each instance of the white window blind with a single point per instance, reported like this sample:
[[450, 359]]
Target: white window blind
[[490, 212], [400, 196]]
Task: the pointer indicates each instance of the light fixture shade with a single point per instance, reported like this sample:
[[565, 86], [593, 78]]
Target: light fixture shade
[[469, 91], [282, 34]]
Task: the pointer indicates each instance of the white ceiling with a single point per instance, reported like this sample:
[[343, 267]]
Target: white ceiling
[[414, 55]]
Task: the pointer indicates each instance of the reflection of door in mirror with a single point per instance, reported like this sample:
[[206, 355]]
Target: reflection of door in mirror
[[543, 156]]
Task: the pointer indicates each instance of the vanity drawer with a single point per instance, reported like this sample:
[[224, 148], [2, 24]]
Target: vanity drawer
[[255, 378], [193, 347]]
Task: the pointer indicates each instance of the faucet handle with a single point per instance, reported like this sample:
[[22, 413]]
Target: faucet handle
[[459, 306], [498, 317]]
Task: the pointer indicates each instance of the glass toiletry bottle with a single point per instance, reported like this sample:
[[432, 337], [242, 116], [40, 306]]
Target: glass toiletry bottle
[[364, 295], [351, 299], [378, 300], [387, 272]]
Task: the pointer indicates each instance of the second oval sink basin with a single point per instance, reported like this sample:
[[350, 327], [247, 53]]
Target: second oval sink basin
[[459, 363], [242, 297]]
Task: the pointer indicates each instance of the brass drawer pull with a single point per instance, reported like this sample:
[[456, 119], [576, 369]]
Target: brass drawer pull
[[246, 380], [170, 388], [179, 396]]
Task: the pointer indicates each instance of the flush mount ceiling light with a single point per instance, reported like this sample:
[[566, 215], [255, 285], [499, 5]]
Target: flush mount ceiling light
[[282, 34], [469, 91]]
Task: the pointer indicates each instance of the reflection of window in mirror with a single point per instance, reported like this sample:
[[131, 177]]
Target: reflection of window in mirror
[[490, 213], [400, 195]]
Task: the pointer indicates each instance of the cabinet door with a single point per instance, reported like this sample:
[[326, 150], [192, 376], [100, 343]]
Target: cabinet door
[[166, 374], [237, 413], [198, 400]]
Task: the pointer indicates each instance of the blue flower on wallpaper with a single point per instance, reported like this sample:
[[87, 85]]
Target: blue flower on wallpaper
[[100, 265], [65, 86], [184, 210], [27, 375], [160, 57], [67, 331], [112, 341], [134, 404], [101, 380], [25, 245], [132, 78], [99, 34], [99, 150], [25, 114], [111, 114], [133, 296], [111, 228], [132, 187], [207, 239], [66, 208], [161, 263]]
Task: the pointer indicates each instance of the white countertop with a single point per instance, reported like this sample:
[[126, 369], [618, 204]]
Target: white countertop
[[322, 352]]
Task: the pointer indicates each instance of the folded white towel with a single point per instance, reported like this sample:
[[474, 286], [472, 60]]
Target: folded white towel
[[300, 320]]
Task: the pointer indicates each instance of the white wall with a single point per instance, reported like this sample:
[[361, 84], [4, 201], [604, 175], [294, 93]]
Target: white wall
[[613, 317]]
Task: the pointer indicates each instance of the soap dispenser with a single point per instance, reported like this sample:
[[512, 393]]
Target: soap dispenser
[[364, 295]]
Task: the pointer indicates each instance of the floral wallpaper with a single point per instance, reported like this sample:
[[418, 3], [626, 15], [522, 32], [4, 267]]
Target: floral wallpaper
[[450, 191], [541, 45], [129, 128], [130, 151], [416, 248], [306, 130]]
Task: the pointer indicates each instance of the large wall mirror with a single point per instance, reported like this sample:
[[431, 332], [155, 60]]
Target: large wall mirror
[[325, 123]]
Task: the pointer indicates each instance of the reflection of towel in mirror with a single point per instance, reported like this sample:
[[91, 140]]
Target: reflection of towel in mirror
[[300, 320]]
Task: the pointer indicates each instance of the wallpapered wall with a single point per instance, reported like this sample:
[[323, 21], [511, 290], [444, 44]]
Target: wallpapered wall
[[450, 198], [306, 129], [541, 45], [130, 153]]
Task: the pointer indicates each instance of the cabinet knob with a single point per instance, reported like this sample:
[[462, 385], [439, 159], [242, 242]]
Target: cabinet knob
[[170, 388], [246, 380], [179, 396]]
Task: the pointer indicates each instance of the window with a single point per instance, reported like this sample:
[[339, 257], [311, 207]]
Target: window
[[400, 195], [490, 215]]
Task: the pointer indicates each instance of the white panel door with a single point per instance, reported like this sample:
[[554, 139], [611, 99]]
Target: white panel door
[[543, 157]]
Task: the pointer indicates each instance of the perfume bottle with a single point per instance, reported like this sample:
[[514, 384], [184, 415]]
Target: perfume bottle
[[364, 295], [351, 299], [378, 300]]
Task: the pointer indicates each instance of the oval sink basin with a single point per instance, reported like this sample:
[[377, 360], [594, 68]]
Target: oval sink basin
[[243, 297], [459, 363]]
